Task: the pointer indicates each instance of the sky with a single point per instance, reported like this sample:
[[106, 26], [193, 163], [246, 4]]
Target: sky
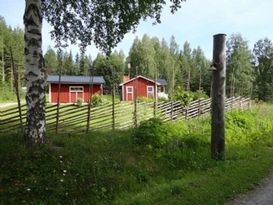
[[196, 22]]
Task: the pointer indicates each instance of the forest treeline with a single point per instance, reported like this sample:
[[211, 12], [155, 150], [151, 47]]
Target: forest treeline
[[249, 70]]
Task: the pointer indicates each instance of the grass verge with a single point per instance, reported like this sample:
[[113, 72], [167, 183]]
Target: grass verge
[[110, 168]]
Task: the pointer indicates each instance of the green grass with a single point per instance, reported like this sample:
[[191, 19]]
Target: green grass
[[72, 118], [108, 168]]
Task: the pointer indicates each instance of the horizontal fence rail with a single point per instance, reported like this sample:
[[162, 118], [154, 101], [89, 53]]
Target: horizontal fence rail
[[73, 118]]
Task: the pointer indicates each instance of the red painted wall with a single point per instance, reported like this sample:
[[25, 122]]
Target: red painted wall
[[139, 86], [66, 97]]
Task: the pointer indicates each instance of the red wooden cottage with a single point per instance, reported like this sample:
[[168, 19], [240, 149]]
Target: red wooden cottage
[[74, 87], [141, 86]]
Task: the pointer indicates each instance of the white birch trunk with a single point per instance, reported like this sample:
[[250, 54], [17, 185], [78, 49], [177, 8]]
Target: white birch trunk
[[35, 82]]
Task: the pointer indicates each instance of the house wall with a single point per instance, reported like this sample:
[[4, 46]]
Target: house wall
[[139, 87], [65, 95]]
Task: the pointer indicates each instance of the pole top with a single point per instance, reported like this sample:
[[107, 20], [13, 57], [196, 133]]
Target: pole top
[[219, 34]]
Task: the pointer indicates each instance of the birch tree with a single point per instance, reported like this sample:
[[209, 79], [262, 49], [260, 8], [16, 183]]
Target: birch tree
[[101, 22], [34, 74]]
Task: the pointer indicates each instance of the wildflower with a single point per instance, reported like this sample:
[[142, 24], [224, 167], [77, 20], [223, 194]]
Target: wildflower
[[28, 189], [61, 180], [61, 156], [64, 171]]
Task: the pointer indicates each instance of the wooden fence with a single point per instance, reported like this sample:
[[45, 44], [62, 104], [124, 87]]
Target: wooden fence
[[73, 118]]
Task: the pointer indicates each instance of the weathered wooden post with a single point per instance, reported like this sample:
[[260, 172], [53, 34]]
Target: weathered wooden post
[[59, 91], [91, 79], [218, 97], [113, 98], [172, 110], [16, 86]]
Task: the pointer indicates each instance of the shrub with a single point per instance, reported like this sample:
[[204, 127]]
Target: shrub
[[153, 132], [186, 97], [96, 100], [79, 101]]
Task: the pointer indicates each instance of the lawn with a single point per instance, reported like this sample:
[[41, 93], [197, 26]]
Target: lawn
[[170, 164]]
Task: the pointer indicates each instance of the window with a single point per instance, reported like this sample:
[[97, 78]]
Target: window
[[129, 89], [150, 91], [76, 88]]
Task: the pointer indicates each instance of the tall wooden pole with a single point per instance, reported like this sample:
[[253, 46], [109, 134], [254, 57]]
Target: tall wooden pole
[[218, 97]]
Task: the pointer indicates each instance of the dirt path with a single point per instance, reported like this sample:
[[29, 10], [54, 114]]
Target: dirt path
[[262, 195]]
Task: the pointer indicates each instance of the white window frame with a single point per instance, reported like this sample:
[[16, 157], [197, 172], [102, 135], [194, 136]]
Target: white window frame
[[76, 91], [127, 89], [127, 92], [150, 92]]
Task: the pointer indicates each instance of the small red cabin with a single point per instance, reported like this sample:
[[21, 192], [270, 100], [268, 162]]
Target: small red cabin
[[141, 86], [74, 88]]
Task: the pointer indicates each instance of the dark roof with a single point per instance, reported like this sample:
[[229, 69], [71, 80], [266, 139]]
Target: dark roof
[[75, 79], [161, 81], [158, 81]]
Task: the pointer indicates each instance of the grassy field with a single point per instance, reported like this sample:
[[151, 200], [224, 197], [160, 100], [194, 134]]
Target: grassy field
[[111, 168]]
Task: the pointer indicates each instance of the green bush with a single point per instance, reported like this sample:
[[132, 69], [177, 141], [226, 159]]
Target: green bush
[[96, 100], [79, 101], [186, 97], [153, 132]]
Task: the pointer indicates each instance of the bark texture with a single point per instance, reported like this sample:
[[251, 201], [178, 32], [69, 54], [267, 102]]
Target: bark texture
[[218, 97], [35, 75]]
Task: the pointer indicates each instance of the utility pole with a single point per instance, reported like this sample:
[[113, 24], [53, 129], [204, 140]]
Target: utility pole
[[218, 97]]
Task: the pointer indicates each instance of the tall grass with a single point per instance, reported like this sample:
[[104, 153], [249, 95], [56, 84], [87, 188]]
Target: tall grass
[[111, 168]]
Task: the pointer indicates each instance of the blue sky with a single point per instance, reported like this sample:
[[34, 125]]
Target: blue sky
[[197, 21]]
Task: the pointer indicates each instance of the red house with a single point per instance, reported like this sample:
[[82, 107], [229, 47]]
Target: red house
[[141, 86], [74, 88]]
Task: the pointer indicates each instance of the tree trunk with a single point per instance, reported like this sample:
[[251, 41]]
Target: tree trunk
[[189, 80], [218, 98], [34, 74]]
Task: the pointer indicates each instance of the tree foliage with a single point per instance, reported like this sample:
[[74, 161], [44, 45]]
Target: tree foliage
[[10, 39], [239, 68], [263, 67], [115, 61], [103, 22], [180, 68]]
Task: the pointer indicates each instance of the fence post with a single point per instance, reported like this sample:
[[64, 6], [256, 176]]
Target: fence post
[[113, 109], [91, 79], [16, 86], [172, 110], [186, 113], [58, 98], [135, 112], [249, 103], [218, 97], [199, 107]]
